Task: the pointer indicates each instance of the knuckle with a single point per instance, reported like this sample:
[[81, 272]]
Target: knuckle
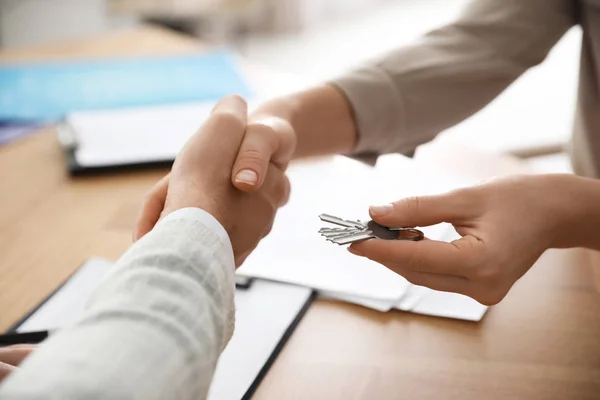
[[267, 134], [252, 157], [490, 297], [237, 97], [410, 208], [472, 256], [262, 128], [470, 198], [409, 203], [227, 119]]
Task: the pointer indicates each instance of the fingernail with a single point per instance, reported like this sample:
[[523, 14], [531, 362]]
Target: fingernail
[[355, 252], [380, 211], [247, 176]]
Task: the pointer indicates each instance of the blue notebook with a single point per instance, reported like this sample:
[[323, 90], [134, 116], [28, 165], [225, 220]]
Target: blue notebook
[[47, 92]]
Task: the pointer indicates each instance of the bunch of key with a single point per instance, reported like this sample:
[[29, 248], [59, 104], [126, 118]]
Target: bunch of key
[[349, 231]]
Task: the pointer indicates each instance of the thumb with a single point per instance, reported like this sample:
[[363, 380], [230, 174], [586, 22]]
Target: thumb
[[266, 141], [425, 210]]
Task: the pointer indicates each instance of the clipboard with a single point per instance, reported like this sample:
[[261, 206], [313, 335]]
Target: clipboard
[[68, 141], [254, 311], [102, 141]]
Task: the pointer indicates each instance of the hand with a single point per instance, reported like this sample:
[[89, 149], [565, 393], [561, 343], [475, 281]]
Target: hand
[[315, 122], [201, 177], [504, 224], [12, 356], [268, 140]]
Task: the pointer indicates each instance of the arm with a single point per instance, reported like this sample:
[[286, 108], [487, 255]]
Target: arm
[[153, 330], [156, 327], [577, 207], [410, 95]]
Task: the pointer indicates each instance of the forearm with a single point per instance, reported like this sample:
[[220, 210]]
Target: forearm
[[408, 96], [155, 327], [321, 117], [575, 210]]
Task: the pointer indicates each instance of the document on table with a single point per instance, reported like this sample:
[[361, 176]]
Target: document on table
[[67, 304], [294, 252], [134, 135]]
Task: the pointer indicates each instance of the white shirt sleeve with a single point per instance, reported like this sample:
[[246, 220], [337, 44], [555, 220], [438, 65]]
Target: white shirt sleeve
[[154, 329]]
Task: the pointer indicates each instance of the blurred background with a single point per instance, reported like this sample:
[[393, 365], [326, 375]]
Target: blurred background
[[317, 39]]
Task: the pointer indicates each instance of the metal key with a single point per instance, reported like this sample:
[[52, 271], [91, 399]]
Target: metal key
[[342, 222], [355, 231]]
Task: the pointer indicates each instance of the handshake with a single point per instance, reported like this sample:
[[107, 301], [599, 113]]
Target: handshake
[[232, 168]]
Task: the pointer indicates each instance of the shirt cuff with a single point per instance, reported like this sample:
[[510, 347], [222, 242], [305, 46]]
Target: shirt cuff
[[204, 218], [222, 254], [378, 111]]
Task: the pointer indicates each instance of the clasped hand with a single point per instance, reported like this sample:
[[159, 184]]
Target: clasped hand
[[201, 177]]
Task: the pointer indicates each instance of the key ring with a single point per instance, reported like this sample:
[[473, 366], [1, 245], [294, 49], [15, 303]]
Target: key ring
[[409, 234], [349, 231], [383, 232]]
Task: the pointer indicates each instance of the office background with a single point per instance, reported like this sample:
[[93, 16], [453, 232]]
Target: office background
[[317, 39]]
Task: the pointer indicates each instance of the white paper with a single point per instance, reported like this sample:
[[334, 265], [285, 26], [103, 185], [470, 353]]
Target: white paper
[[412, 297], [263, 314], [294, 252], [422, 300], [135, 135], [65, 306], [450, 305], [374, 304]]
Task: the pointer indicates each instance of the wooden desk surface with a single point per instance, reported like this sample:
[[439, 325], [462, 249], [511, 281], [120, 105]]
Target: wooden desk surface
[[542, 342]]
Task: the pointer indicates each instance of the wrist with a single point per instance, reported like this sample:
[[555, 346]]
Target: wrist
[[321, 118], [574, 210], [210, 221], [285, 108]]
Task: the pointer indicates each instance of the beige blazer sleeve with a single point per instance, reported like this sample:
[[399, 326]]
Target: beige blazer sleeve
[[410, 95]]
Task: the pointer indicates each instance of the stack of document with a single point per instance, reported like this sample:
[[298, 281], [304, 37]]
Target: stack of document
[[133, 135], [294, 252]]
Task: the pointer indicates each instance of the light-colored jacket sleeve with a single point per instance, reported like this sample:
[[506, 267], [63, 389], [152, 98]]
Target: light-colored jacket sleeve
[[410, 95], [155, 327]]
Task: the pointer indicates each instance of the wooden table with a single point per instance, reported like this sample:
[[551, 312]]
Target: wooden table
[[541, 342]]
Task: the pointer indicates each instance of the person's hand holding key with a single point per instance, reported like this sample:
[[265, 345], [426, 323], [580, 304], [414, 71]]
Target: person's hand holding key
[[505, 226]]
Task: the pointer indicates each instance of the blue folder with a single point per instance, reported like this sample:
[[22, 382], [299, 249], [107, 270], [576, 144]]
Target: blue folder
[[47, 92]]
